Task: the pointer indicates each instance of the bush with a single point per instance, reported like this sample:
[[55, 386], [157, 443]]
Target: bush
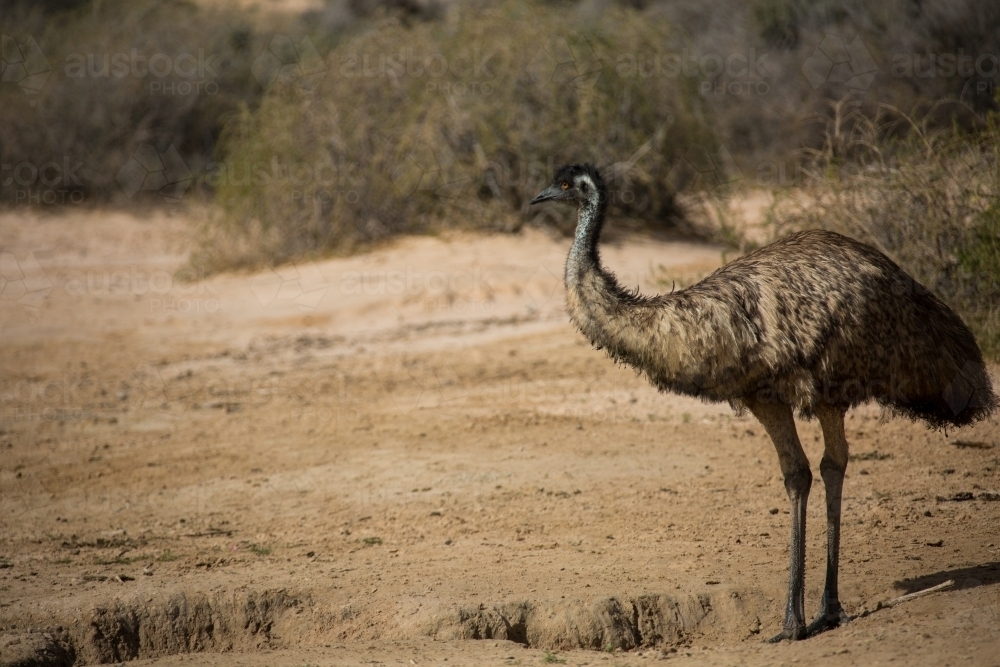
[[96, 99], [453, 125], [907, 56], [931, 202]]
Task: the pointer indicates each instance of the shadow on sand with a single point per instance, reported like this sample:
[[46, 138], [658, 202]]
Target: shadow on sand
[[964, 577]]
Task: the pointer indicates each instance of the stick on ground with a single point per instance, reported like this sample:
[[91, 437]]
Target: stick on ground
[[919, 594]]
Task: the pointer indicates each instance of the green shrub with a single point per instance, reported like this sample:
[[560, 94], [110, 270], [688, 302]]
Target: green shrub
[[260, 549], [979, 267], [414, 128]]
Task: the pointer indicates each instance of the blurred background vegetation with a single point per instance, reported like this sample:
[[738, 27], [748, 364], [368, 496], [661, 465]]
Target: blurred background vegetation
[[313, 128]]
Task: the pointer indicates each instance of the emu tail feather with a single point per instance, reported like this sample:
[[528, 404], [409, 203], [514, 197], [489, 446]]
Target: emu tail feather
[[968, 398]]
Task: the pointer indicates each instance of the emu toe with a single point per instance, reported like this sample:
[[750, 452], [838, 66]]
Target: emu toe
[[828, 619], [793, 633]]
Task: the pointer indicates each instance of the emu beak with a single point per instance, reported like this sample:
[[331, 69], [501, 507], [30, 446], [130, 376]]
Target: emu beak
[[548, 193]]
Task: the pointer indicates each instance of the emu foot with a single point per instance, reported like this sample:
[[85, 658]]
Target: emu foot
[[792, 633], [832, 616]]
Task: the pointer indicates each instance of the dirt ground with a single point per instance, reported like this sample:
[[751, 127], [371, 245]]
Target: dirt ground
[[410, 457]]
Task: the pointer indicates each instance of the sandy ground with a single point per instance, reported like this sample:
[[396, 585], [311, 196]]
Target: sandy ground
[[410, 457]]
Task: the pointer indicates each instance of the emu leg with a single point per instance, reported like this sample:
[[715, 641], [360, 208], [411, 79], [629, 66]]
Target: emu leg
[[832, 468], [779, 423]]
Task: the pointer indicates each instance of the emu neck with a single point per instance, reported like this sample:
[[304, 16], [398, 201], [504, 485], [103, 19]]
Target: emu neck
[[681, 342], [583, 256], [651, 336], [593, 296]]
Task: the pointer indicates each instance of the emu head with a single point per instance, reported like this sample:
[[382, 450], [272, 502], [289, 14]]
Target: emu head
[[577, 184]]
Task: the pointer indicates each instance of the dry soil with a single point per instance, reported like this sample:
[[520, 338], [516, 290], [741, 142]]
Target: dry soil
[[410, 457]]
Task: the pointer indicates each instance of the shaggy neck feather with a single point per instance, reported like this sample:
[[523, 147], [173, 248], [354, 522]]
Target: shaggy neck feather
[[583, 256], [631, 329], [593, 295]]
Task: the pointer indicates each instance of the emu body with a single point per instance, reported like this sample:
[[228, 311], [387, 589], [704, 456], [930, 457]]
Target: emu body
[[815, 323]]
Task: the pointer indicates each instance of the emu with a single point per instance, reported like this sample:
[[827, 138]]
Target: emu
[[815, 323]]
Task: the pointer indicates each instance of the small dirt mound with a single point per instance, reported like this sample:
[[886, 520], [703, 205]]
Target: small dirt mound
[[132, 629], [607, 623]]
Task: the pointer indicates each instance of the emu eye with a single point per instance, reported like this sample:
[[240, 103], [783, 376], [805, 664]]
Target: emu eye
[[565, 185]]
